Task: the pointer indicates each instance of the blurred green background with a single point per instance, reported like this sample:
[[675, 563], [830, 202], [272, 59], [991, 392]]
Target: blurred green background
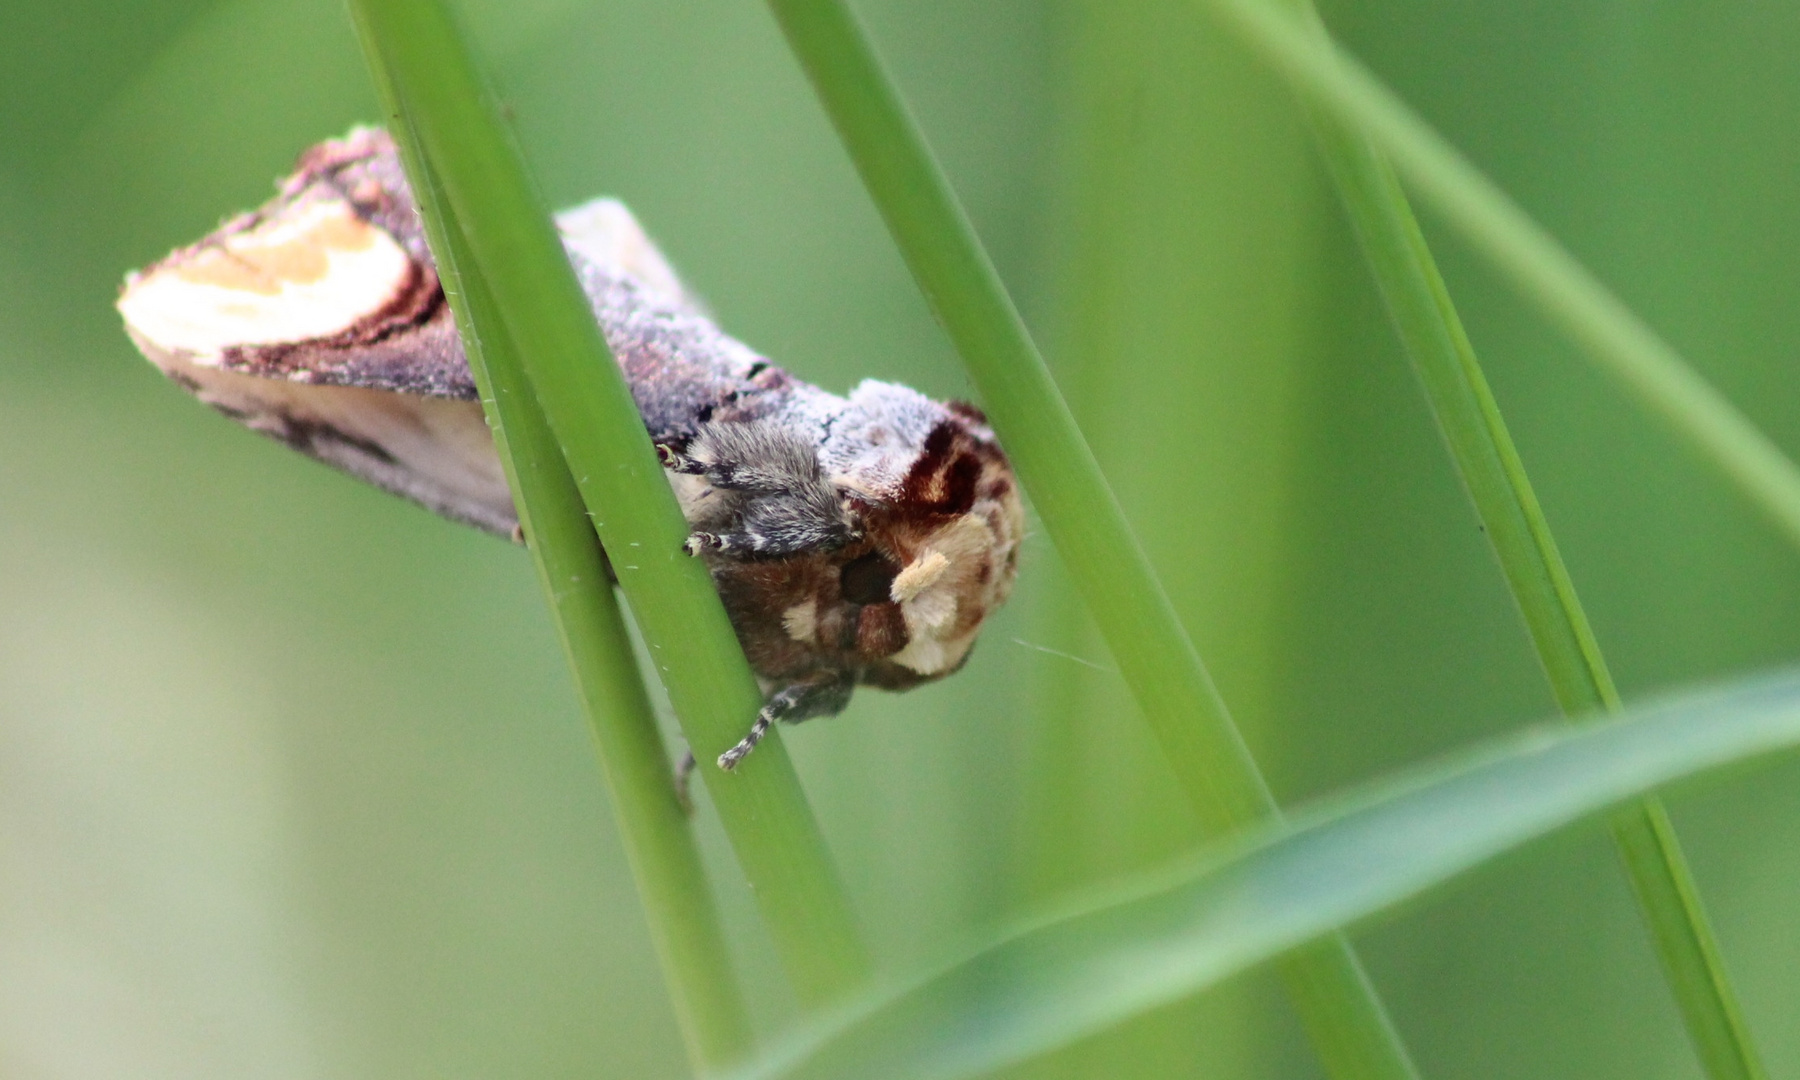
[[292, 782]]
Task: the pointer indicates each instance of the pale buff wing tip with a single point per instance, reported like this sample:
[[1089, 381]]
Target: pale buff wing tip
[[295, 276]]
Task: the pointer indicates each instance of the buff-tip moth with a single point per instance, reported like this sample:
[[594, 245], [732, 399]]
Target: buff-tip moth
[[854, 540]]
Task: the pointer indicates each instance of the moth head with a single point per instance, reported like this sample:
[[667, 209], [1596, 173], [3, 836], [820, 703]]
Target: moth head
[[936, 555]]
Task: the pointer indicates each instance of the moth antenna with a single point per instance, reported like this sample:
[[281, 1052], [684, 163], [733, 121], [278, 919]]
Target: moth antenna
[[1066, 656]]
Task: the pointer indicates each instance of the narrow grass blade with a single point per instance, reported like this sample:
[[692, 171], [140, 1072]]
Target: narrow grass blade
[[1170, 683], [1481, 447], [678, 903], [1107, 958], [515, 250], [1539, 267]]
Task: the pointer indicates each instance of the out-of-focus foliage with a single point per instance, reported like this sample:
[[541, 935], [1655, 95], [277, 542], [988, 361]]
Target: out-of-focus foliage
[[291, 779]]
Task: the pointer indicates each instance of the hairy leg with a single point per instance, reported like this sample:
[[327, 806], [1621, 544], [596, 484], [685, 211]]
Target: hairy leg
[[823, 695]]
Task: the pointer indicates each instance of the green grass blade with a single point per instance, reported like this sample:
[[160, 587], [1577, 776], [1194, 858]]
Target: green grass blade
[[1469, 419], [1476, 435], [1103, 959], [1489, 464], [1034, 423], [678, 903], [584, 397], [1685, 942], [1538, 265], [1170, 683]]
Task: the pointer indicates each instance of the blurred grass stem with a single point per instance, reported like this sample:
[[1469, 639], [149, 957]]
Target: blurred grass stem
[[659, 841], [1540, 267], [520, 261], [1493, 474], [1158, 660], [1488, 462]]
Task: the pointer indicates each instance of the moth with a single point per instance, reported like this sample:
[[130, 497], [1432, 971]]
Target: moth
[[855, 540]]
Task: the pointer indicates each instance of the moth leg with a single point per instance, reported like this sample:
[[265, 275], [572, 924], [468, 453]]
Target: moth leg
[[791, 523], [775, 497], [698, 542], [675, 458], [753, 543], [751, 456], [825, 694]]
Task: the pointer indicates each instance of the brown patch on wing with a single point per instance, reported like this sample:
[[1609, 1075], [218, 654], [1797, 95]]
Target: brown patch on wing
[[409, 344], [943, 479], [364, 168], [967, 411]]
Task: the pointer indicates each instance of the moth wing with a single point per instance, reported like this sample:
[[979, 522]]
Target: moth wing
[[877, 439], [607, 234], [435, 451], [319, 320]]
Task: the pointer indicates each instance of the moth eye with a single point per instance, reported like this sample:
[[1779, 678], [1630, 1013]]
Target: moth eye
[[867, 578]]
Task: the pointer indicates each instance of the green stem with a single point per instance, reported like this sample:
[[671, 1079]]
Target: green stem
[[590, 410], [1077, 506], [659, 841], [1539, 267], [1488, 462], [678, 904]]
